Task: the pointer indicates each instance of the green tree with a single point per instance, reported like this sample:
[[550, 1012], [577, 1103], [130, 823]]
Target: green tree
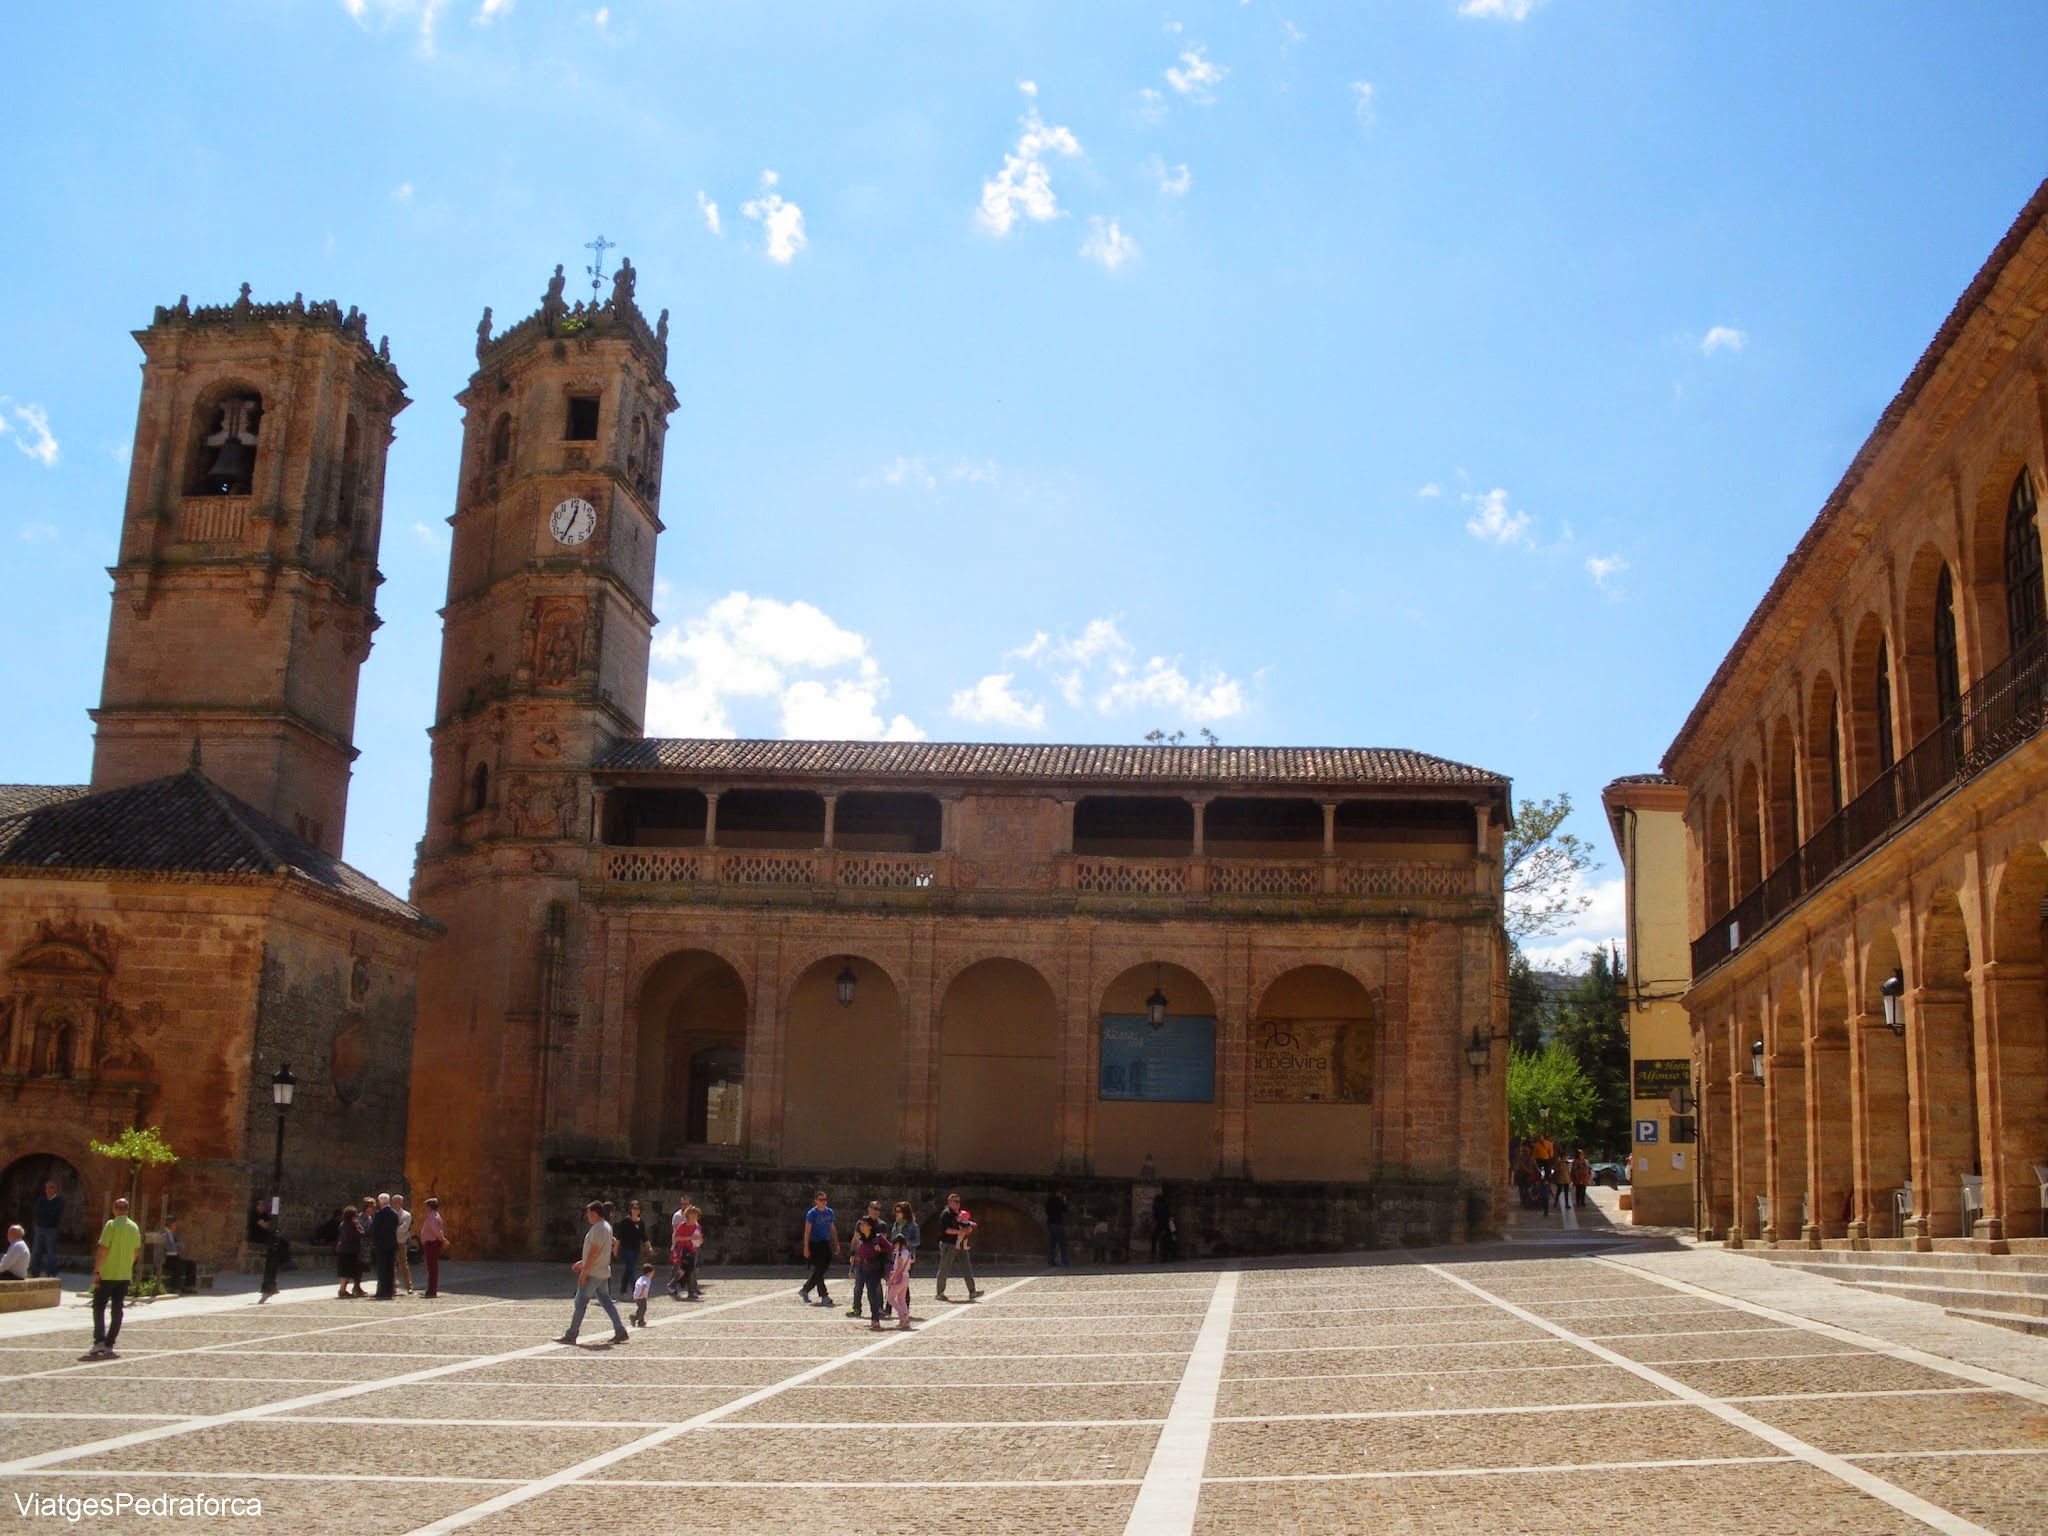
[[1528, 1004], [1592, 1025], [139, 1147], [1542, 866], [1547, 1091]]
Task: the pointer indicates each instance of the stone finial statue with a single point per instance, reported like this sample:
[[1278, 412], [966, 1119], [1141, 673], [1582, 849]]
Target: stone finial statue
[[552, 307], [622, 283], [661, 332], [483, 333]]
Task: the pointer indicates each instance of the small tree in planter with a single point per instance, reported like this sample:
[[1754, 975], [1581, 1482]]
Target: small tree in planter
[[140, 1147]]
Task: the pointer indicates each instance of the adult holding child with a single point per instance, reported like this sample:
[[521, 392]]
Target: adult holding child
[[956, 1237]]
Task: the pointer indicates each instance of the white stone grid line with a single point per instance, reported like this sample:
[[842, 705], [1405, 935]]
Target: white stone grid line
[[582, 1469], [1926, 1512], [1172, 1488], [1963, 1370], [340, 1392]]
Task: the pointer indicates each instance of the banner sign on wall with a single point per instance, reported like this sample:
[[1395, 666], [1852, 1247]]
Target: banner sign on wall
[[1173, 1064], [1660, 1077], [1312, 1061]]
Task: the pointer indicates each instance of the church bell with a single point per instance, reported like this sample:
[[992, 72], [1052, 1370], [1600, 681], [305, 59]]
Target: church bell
[[232, 466]]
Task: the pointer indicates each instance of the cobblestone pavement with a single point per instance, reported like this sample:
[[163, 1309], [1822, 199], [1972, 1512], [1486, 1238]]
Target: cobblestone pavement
[[1553, 1388]]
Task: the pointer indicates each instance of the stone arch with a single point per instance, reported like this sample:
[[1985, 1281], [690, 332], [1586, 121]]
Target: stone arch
[[1827, 773], [21, 1185], [1871, 705], [1785, 1067], [1151, 1100], [2008, 487], [1751, 1164], [2019, 1035], [1942, 1041], [797, 965], [1719, 894], [1831, 1175], [1885, 1156], [690, 1042], [950, 969], [1716, 1126], [227, 424], [843, 1086], [1749, 832], [1317, 1049], [1781, 797], [1927, 575], [999, 1069]]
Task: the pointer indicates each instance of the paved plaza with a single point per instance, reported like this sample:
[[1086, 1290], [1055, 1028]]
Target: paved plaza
[[1555, 1384]]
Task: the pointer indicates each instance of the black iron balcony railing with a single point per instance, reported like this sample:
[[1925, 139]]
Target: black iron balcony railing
[[2005, 708]]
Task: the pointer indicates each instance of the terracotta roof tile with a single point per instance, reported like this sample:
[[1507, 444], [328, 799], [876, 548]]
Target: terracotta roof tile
[[1330, 767], [183, 824], [31, 797]]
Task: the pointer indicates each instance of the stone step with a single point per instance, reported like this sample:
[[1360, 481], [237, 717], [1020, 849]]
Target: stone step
[[1952, 1277], [1959, 1258], [2031, 1325], [1948, 1298]]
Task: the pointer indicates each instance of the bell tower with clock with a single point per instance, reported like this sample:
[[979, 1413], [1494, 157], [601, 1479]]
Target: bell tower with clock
[[544, 657]]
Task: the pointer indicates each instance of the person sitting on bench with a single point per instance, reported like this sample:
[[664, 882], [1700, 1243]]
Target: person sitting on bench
[[180, 1273], [15, 1265]]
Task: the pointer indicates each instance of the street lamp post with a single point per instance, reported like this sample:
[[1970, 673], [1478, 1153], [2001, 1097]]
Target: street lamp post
[[282, 1084]]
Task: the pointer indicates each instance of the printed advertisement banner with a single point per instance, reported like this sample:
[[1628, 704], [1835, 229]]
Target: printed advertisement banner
[[1173, 1064], [1312, 1061]]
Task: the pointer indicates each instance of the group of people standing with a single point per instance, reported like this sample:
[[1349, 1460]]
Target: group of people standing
[[378, 1237], [881, 1252], [1550, 1180], [614, 1241]]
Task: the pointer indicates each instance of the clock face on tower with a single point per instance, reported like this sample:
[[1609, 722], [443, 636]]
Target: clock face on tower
[[572, 521]]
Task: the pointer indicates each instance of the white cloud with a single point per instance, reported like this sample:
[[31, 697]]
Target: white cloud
[[1430, 490], [1503, 10], [1024, 184], [402, 193], [1361, 102], [30, 427], [1099, 669], [1291, 34], [1173, 181], [1723, 338], [1603, 568], [422, 13], [821, 679], [428, 535], [491, 10], [918, 470], [1493, 519], [993, 701], [1108, 244], [603, 18], [1028, 87], [1151, 105], [782, 221], [1196, 77], [710, 211], [1603, 923]]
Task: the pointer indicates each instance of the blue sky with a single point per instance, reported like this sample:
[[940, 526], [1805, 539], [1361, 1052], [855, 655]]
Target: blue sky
[[1410, 374]]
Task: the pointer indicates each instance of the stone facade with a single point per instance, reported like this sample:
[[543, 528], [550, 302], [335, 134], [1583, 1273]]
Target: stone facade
[[1866, 815], [797, 957]]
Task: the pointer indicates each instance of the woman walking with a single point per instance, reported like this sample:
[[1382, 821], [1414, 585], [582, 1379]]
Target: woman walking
[[348, 1251], [689, 1243], [904, 1237], [433, 1241], [872, 1252]]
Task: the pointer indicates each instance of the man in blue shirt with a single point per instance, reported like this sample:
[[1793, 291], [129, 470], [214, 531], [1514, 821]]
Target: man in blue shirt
[[48, 1218], [821, 1242]]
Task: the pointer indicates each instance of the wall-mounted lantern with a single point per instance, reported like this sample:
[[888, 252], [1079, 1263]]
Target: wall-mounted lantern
[[1756, 1061], [844, 983], [1892, 991]]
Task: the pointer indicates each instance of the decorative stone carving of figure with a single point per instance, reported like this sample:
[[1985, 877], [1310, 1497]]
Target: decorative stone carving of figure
[[359, 980], [120, 1054], [53, 1043], [558, 649], [661, 332], [622, 283], [565, 808], [552, 307], [519, 801]]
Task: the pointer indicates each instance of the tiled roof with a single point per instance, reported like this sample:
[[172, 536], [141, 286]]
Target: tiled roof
[[184, 824], [31, 797], [1647, 778], [1974, 297], [1378, 767]]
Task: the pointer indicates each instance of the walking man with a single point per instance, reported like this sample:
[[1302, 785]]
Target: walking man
[[1056, 1230], [113, 1266], [593, 1275], [433, 1240], [821, 1242], [404, 1263], [956, 1232], [43, 1225], [384, 1248]]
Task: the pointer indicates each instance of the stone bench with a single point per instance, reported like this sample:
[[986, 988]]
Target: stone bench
[[25, 1295]]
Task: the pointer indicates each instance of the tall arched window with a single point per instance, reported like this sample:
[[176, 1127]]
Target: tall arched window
[[1887, 742], [501, 440], [1834, 805], [351, 476], [480, 788], [1948, 670], [2024, 619]]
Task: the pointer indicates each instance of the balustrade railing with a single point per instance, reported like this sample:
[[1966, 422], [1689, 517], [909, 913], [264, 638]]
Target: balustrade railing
[[213, 519], [2004, 709], [1264, 877], [1131, 877]]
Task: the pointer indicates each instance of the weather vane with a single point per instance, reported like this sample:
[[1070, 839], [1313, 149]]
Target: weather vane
[[596, 269]]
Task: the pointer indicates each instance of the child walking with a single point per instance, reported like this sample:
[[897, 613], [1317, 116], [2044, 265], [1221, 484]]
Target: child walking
[[641, 1287], [872, 1252], [904, 1237]]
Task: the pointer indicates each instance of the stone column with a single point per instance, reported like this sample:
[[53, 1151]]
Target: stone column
[[917, 1125], [2013, 1066], [1201, 805], [1862, 1178], [1329, 829], [1078, 1066], [831, 820], [1233, 1060], [711, 818], [767, 1030]]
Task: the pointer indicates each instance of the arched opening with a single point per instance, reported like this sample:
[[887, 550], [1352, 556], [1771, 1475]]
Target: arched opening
[[1886, 1156], [689, 1066], [1751, 1128], [1156, 1083], [1720, 895], [2020, 1011], [480, 788], [1785, 1112], [1314, 1060], [1872, 737], [1945, 1055], [1929, 668], [501, 440], [1749, 836], [1824, 777], [2025, 620], [21, 1185], [1781, 819], [843, 1068], [999, 1088], [1831, 1176], [1948, 665], [1716, 1130], [223, 459]]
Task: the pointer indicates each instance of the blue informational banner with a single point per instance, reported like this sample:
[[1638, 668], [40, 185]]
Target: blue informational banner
[[1173, 1064]]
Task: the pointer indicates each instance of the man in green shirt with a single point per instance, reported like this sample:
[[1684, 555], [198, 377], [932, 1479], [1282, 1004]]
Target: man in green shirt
[[113, 1266]]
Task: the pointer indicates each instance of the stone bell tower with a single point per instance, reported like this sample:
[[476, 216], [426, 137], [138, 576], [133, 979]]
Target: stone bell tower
[[544, 657], [245, 595]]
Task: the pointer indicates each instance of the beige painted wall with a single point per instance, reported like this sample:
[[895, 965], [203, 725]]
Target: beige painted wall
[[999, 1038], [843, 1088], [1181, 1138], [1313, 1141]]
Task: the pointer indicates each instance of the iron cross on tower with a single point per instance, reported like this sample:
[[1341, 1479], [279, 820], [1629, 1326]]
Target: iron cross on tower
[[596, 269]]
